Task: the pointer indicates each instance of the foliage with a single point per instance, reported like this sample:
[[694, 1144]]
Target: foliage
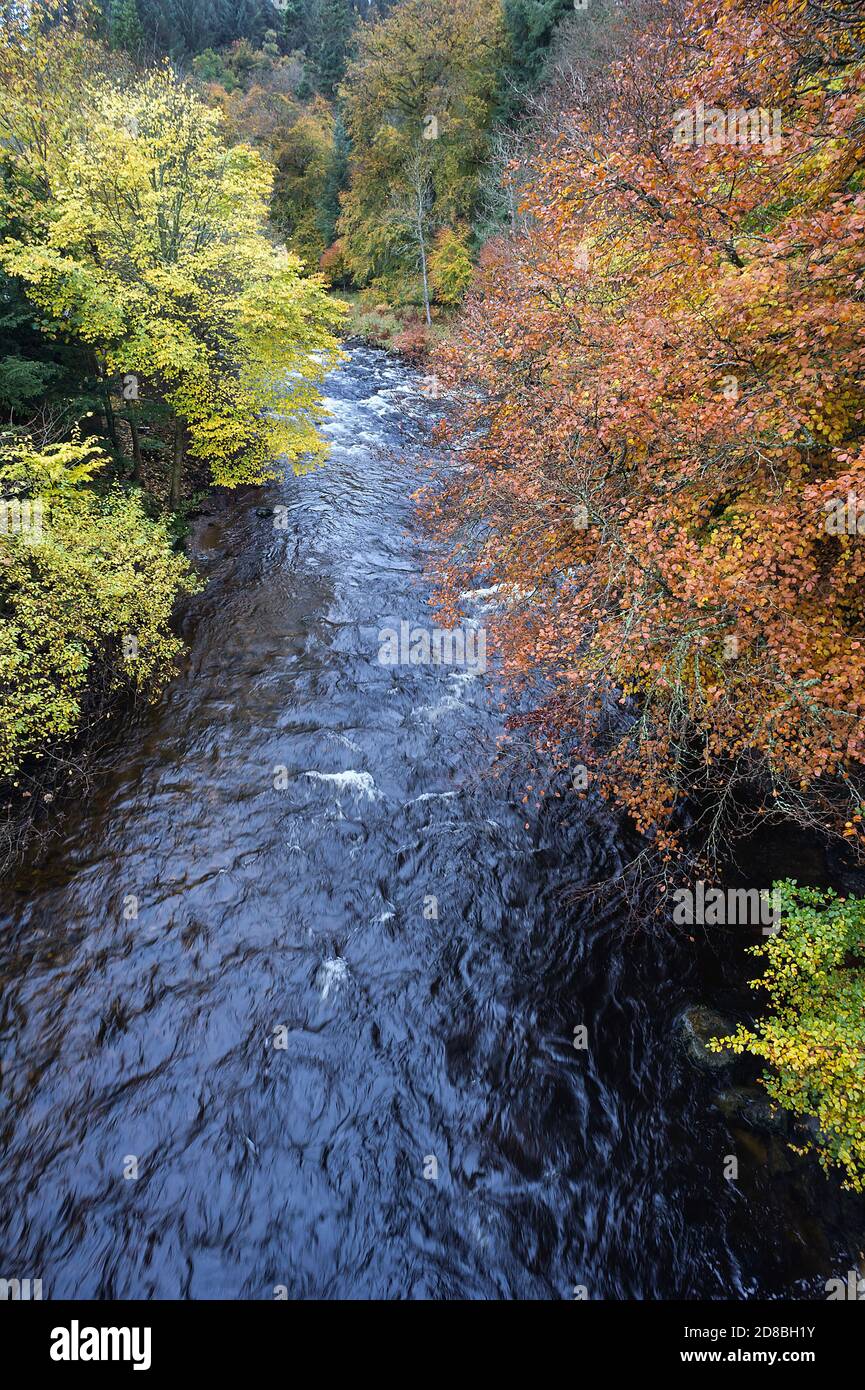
[[211, 66], [329, 25], [334, 266], [141, 295], [385, 324], [814, 1041], [182, 28], [28, 372], [530, 25], [303, 158], [144, 236], [413, 342], [661, 384], [451, 269], [335, 183], [418, 103], [89, 600], [300, 139], [124, 26]]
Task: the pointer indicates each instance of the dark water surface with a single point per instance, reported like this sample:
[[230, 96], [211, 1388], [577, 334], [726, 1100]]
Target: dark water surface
[[406, 1035]]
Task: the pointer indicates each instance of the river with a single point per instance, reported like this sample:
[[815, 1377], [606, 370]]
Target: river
[[290, 1003]]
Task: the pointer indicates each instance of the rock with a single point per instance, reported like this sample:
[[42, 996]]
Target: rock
[[698, 1024], [733, 1101], [779, 1158], [752, 1105], [751, 1145], [764, 1114]]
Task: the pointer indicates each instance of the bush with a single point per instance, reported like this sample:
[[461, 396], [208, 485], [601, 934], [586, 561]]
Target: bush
[[333, 265], [413, 342], [86, 594], [815, 1039], [450, 265]]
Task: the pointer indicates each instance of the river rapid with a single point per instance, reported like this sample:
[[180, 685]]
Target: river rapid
[[298, 963]]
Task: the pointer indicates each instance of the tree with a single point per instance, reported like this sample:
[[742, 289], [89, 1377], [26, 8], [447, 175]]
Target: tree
[[428, 73], [144, 237], [86, 600], [450, 265], [662, 441], [409, 214], [815, 982], [530, 25], [293, 24], [124, 26], [183, 28], [335, 183], [329, 26], [38, 373], [303, 154]]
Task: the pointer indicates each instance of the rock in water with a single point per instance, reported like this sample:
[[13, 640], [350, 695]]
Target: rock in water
[[751, 1104], [698, 1024]]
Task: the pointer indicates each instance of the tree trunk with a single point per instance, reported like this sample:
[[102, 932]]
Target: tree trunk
[[177, 462], [109, 420], [106, 418], [420, 239], [136, 451]]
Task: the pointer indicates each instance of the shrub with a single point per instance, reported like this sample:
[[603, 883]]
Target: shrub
[[815, 1039], [86, 602], [413, 342], [333, 265], [450, 265]]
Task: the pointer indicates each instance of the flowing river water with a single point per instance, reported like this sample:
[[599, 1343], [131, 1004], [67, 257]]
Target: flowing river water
[[327, 1014]]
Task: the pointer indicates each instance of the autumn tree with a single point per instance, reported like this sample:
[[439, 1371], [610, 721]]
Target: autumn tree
[[303, 155], [661, 454], [144, 235], [450, 265], [86, 597], [425, 80]]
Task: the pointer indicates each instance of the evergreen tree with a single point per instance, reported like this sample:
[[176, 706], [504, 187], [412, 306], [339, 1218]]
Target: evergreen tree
[[530, 25], [292, 25], [330, 25], [336, 181], [183, 28], [124, 26]]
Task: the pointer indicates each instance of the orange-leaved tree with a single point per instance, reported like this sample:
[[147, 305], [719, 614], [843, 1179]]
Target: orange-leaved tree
[[660, 423]]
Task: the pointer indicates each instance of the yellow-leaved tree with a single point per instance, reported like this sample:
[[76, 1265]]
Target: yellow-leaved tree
[[87, 586], [143, 233]]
